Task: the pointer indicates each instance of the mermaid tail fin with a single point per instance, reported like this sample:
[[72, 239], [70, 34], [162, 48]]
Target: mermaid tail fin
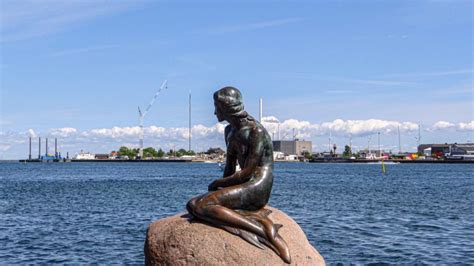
[[277, 227], [251, 238], [246, 235], [272, 240]]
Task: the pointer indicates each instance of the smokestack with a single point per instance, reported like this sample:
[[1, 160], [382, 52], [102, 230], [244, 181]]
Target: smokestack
[[55, 147], [261, 110], [39, 148], [29, 155], [46, 146]]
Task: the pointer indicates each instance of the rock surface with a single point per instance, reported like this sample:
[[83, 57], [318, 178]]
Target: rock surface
[[177, 240]]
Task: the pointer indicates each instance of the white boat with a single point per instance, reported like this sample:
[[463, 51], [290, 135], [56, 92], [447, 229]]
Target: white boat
[[84, 156]]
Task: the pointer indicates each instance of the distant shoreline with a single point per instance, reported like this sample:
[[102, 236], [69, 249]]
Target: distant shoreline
[[394, 161], [336, 161]]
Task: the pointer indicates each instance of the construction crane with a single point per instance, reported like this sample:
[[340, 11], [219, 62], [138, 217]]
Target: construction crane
[[141, 115]]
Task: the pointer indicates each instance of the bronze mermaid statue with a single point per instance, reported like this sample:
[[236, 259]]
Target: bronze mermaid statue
[[236, 202]]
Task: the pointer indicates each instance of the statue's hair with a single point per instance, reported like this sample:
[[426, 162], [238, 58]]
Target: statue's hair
[[230, 101]]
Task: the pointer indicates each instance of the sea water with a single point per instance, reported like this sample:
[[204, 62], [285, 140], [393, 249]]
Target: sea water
[[351, 213]]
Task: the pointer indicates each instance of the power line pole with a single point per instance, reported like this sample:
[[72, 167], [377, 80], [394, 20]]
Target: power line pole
[[189, 148], [419, 134], [378, 140], [399, 141], [29, 156], [330, 136], [350, 142]]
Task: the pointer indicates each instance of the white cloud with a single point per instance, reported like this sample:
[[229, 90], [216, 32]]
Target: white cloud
[[466, 126], [444, 125], [173, 133], [440, 125], [114, 132], [270, 119], [14, 144], [32, 133], [305, 129], [63, 132]]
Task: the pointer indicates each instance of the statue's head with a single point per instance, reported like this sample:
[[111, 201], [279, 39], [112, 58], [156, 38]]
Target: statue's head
[[228, 103]]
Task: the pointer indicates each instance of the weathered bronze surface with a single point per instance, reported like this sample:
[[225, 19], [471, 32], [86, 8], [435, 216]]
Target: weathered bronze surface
[[236, 202]]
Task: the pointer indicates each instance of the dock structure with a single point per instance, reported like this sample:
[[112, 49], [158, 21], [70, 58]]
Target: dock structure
[[109, 161], [46, 157], [402, 161]]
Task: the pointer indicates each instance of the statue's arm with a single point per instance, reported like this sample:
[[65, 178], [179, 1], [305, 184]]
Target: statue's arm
[[231, 159], [251, 163], [230, 165]]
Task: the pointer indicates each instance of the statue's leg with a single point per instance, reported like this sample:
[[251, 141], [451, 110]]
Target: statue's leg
[[218, 214], [218, 208]]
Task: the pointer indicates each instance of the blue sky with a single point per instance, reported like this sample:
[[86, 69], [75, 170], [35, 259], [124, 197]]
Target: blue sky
[[77, 70]]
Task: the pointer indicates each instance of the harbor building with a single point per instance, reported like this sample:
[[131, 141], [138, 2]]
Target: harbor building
[[292, 147], [453, 151]]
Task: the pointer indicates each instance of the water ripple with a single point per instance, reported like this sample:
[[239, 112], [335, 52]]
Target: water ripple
[[98, 213]]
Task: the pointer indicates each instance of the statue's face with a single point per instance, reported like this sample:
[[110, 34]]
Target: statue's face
[[218, 112]]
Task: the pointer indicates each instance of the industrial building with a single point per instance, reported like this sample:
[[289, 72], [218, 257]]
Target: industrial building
[[292, 147], [455, 150]]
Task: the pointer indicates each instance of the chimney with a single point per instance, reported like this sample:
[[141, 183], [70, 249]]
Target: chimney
[[39, 148], [29, 155], [46, 147]]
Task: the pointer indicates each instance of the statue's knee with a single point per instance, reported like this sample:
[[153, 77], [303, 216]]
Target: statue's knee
[[191, 205]]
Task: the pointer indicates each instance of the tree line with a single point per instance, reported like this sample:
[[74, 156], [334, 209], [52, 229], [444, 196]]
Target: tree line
[[132, 153]]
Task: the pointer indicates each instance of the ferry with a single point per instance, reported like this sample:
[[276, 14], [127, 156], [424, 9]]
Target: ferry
[[84, 156]]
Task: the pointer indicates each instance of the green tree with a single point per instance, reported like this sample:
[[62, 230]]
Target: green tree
[[181, 152], [125, 151], [160, 153], [347, 152], [150, 152], [307, 155]]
